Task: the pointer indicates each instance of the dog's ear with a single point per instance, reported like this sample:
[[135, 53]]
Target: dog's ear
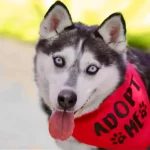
[[113, 32], [55, 20]]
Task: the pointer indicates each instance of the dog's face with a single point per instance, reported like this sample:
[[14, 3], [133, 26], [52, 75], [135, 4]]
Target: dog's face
[[78, 66]]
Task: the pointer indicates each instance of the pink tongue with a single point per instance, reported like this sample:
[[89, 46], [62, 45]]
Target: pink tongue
[[61, 125]]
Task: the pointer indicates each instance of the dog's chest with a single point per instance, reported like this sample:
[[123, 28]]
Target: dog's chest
[[122, 121]]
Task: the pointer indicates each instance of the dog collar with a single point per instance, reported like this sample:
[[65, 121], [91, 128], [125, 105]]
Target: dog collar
[[122, 121]]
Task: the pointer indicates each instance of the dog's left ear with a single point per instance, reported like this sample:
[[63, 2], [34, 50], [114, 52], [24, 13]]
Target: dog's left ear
[[113, 32], [55, 20]]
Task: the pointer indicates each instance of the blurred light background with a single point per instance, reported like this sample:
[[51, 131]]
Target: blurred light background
[[22, 124]]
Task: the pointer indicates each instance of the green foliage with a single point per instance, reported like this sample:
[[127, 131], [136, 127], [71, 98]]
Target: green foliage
[[141, 41], [21, 19]]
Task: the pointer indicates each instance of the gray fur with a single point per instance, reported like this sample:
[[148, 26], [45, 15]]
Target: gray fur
[[94, 43], [75, 69], [73, 74]]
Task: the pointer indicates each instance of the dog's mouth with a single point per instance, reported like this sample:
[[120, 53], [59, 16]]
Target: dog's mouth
[[61, 122], [86, 101]]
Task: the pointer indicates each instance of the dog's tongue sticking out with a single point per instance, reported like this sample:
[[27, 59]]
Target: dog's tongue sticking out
[[61, 125]]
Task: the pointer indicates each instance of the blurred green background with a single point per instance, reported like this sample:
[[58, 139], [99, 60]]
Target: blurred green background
[[20, 19]]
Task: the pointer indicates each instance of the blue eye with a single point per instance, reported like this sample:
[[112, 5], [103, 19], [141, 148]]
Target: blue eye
[[59, 61], [92, 69]]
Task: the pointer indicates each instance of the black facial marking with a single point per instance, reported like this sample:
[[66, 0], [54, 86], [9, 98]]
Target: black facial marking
[[97, 35], [68, 37], [101, 50], [70, 27], [42, 46], [50, 46]]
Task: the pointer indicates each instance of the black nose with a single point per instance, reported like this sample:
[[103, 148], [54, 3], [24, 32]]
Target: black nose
[[67, 99]]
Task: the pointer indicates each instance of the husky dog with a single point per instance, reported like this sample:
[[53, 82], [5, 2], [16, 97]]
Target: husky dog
[[78, 66]]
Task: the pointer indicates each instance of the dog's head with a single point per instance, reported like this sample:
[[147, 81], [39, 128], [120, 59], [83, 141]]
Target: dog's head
[[78, 66]]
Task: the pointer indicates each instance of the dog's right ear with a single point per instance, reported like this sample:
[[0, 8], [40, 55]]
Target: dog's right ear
[[113, 32], [55, 20]]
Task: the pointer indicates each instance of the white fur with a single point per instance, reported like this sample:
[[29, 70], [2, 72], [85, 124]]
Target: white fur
[[62, 17], [102, 82], [42, 64], [115, 22], [51, 80], [72, 144]]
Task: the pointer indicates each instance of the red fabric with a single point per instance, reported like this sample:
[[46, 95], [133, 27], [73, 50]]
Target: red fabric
[[122, 121]]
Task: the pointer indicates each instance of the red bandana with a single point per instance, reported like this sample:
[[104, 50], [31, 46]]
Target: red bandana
[[122, 121]]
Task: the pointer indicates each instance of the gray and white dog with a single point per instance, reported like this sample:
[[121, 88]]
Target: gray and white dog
[[83, 63]]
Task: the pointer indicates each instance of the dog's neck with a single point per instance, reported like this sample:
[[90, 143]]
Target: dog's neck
[[120, 113]]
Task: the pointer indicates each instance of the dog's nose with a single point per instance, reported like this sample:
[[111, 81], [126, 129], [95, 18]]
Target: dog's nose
[[67, 99]]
